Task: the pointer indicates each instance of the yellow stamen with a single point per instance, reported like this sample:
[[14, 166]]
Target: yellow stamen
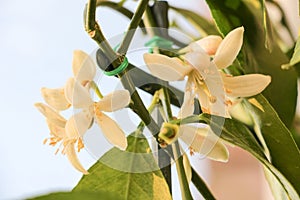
[[192, 152], [45, 141], [212, 99], [80, 144], [228, 103]]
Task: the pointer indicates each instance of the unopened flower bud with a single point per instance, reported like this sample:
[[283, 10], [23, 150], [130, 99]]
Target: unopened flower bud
[[168, 133]]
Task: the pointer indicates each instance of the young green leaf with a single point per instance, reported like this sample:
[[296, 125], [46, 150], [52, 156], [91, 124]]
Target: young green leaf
[[78, 196], [131, 174]]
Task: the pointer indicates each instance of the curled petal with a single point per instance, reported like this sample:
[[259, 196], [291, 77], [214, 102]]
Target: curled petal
[[51, 115], [246, 85], [111, 130], [55, 98], [114, 101], [187, 107], [72, 156], [229, 48], [198, 59], [78, 124], [165, 68], [187, 167], [77, 95], [84, 68], [210, 43], [203, 141]]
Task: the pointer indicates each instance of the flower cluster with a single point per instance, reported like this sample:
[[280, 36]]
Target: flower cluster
[[76, 93], [203, 62]]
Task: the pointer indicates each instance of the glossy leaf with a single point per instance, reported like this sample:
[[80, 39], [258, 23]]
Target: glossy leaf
[[201, 186], [285, 155], [78, 196], [236, 133], [131, 174], [255, 57]]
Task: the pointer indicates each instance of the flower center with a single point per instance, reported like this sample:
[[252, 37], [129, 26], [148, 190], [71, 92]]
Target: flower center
[[198, 83]]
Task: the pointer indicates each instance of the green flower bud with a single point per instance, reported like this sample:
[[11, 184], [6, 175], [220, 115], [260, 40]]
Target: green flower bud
[[168, 133]]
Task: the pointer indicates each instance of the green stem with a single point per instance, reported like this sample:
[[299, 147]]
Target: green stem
[[154, 102], [94, 31], [167, 102], [135, 21], [184, 185], [96, 89], [138, 107], [189, 120]]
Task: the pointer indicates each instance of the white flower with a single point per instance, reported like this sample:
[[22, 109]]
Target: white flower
[[202, 140], [199, 139], [56, 124], [76, 93], [206, 81], [79, 123], [84, 70]]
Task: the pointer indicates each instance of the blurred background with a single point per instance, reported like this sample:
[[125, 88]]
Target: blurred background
[[36, 45]]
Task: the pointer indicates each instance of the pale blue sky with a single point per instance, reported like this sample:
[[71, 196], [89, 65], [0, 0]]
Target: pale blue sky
[[36, 44]]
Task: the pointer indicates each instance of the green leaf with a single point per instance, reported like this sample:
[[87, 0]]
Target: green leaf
[[131, 174], [236, 133], [296, 55], [203, 25], [78, 196], [255, 57], [201, 186], [285, 155]]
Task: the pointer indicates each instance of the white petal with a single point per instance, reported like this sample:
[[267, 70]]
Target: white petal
[[187, 107], [84, 68], [165, 68], [55, 98], [114, 101], [210, 43], [111, 130], [77, 95], [229, 48], [72, 156], [246, 85], [78, 124], [212, 94], [239, 112], [187, 167], [56, 130], [203, 141], [199, 60], [51, 115]]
